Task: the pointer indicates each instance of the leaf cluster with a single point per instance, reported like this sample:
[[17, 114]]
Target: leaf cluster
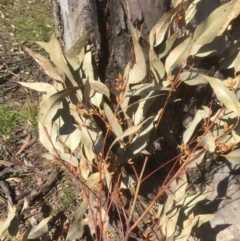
[[74, 107]]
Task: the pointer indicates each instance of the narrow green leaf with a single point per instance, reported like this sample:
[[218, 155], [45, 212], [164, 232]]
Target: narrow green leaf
[[54, 49], [113, 121], [192, 78], [178, 56], [226, 96], [158, 32], [128, 182], [233, 157], [87, 65], [69, 159], [201, 114], [139, 70], [129, 132], [47, 66], [51, 105], [40, 229], [139, 142], [170, 224], [76, 48], [156, 66], [210, 27], [99, 87], [94, 179], [208, 142], [41, 87], [166, 46], [76, 230], [11, 214], [80, 211]]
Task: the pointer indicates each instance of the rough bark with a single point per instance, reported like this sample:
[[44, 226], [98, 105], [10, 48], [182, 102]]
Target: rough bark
[[110, 21]]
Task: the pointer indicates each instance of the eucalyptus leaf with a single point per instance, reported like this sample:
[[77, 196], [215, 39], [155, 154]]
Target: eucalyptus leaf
[[40, 229], [40, 87], [69, 159], [208, 142], [196, 159], [6, 223], [226, 96], [139, 70], [99, 87], [233, 157], [56, 56], [204, 218], [96, 98], [51, 105], [113, 121], [159, 30], [201, 114], [156, 66], [187, 228], [48, 137], [169, 226], [94, 179], [87, 65], [209, 48], [80, 211], [74, 51], [47, 66], [192, 78], [129, 131], [213, 24], [178, 56], [128, 182], [76, 230], [166, 46], [139, 142], [69, 134], [182, 184], [191, 201]]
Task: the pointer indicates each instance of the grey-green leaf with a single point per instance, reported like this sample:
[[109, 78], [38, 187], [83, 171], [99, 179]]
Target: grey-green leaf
[[40, 229], [158, 32], [76, 48], [233, 157], [208, 142], [201, 114], [129, 132], [139, 70], [192, 78], [113, 121], [226, 96], [80, 211], [210, 27], [75, 230], [50, 106]]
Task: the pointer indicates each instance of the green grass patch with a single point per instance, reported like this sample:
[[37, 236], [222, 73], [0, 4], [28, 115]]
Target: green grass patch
[[12, 115], [27, 21], [8, 119], [5, 2]]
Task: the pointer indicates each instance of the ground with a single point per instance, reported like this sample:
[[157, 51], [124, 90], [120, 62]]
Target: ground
[[48, 188]]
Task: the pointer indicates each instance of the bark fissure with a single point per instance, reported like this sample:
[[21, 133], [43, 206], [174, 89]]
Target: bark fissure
[[103, 24]]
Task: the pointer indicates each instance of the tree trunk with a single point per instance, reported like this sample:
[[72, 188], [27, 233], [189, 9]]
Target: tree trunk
[[110, 21]]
